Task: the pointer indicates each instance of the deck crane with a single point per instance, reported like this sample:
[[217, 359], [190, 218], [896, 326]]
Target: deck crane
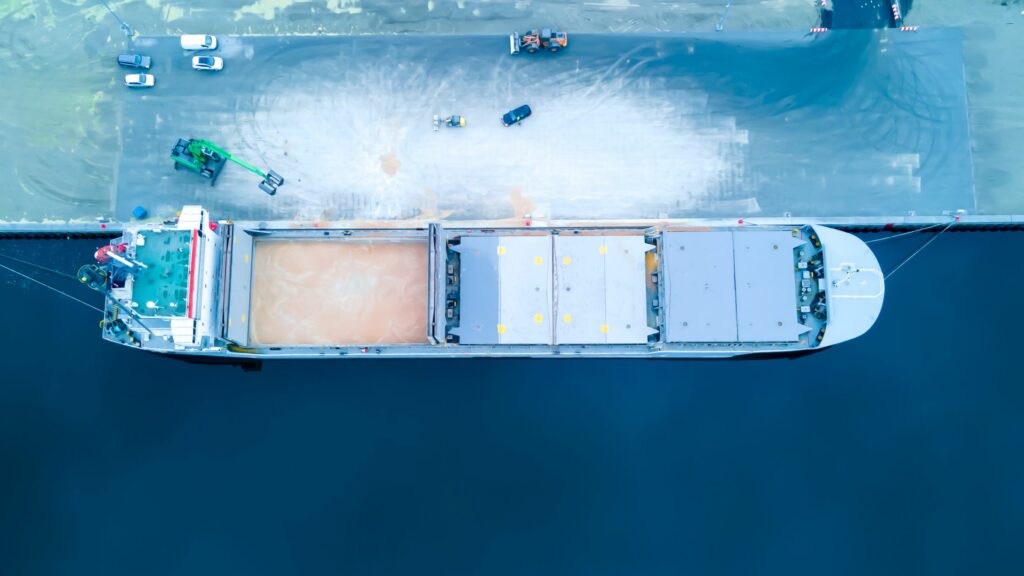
[[207, 159]]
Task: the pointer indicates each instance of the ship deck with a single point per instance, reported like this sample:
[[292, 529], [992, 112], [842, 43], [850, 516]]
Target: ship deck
[[162, 287], [630, 290]]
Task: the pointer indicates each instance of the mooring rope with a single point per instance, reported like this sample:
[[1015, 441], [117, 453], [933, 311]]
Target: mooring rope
[[933, 226], [34, 265], [45, 285], [918, 251]]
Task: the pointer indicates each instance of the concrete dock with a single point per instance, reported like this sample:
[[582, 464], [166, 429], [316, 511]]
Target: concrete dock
[[855, 126], [632, 126]]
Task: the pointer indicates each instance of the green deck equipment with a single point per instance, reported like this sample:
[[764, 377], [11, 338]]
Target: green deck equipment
[[207, 159]]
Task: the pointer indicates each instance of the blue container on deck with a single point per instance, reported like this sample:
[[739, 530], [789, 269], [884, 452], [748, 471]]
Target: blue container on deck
[[139, 213]]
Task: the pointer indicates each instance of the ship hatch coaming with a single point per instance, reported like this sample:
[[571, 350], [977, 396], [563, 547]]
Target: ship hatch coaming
[[732, 286], [765, 297], [552, 290], [336, 292], [700, 287]]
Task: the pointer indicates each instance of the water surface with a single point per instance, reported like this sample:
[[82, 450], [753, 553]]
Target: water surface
[[895, 453]]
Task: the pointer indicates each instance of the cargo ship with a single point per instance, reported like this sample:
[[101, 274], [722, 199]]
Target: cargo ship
[[264, 290]]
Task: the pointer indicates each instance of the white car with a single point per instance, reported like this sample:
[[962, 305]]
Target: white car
[[207, 63], [139, 80], [198, 42]]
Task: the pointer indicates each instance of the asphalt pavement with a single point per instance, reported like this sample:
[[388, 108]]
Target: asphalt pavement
[[848, 123]]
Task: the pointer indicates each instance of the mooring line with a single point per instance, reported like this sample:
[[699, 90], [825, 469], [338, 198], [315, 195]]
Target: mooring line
[[916, 252], [904, 233], [34, 265], [45, 285]]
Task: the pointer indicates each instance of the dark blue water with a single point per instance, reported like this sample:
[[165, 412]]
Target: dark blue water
[[858, 14], [897, 453]]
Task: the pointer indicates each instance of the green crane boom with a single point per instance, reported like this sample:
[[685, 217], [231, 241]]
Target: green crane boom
[[207, 159]]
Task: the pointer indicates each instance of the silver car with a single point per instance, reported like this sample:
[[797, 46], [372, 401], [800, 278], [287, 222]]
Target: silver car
[[139, 80], [207, 63]]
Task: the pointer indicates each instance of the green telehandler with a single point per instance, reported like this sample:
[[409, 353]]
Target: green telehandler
[[207, 159]]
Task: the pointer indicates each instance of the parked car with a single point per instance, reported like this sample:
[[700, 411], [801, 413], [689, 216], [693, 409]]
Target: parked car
[[139, 80], [134, 61], [198, 42], [207, 62], [516, 116]]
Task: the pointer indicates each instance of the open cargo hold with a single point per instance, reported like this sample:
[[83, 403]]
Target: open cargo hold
[[337, 292]]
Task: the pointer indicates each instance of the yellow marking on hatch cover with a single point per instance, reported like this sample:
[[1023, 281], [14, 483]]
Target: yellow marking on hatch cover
[[501, 250], [243, 318], [501, 328], [567, 318], [604, 328], [538, 260], [603, 249], [538, 318], [566, 260]]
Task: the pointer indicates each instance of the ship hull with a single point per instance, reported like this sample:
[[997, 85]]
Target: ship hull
[[247, 292]]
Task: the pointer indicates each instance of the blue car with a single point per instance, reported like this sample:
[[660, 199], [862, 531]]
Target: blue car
[[134, 61], [516, 116]]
